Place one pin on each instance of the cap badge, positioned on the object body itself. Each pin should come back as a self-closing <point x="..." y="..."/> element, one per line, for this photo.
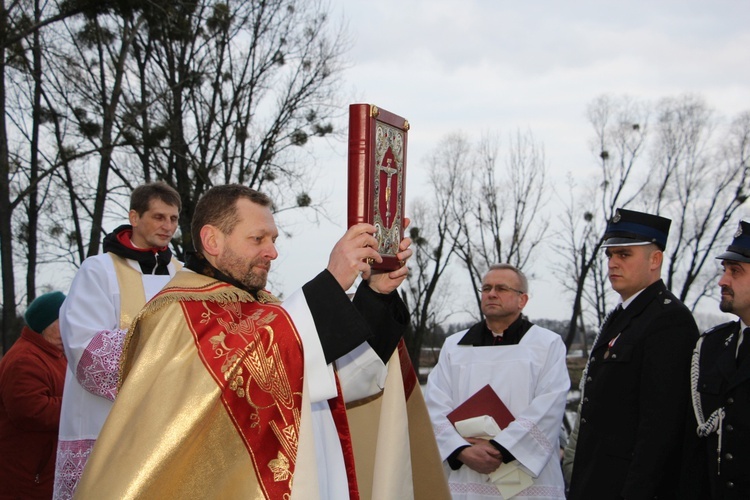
<point x="617" y="217"/>
<point x="739" y="232"/>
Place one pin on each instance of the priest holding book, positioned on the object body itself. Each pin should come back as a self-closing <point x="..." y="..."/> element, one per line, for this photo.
<point x="227" y="392"/>
<point x="524" y="367"/>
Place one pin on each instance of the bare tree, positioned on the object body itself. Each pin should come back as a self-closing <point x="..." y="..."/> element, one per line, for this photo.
<point x="578" y="241"/>
<point x="620" y="127"/>
<point x="433" y="224"/>
<point x="500" y="210"/>
<point x="693" y="175"/>
<point x="698" y="180"/>
<point x="93" y="78"/>
<point x="20" y="165"/>
<point x="240" y="89"/>
<point x="474" y="217"/>
<point x="191" y="92"/>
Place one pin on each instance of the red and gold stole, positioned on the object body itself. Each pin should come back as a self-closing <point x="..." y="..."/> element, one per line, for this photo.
<point x="407" y="369"/>
<point x="254" y="353"/>
<point x="341" y="421"/>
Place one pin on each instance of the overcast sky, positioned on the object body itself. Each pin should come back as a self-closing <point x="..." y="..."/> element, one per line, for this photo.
<point x="493" y="65"/>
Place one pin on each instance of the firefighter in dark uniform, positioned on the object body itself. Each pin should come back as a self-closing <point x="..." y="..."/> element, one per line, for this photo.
<point x="720" y="377"/>
<point x="635" y="390"/>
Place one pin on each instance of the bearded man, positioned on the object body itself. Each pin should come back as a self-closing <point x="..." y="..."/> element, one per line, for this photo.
<point x="228" y="393"/>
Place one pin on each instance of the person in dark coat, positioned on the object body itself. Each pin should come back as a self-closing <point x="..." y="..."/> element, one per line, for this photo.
<point x="635" y="390"/>
<point x="720" y="378"/>
<point x="32" y="374"/>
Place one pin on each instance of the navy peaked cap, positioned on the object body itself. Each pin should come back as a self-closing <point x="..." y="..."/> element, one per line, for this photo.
<point x="739" y="249"/>
<point x="628" y="228"/>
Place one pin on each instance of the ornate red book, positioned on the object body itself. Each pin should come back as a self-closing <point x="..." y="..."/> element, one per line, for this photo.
<point x="484" y="402"/>
<point x="377" y="177"/>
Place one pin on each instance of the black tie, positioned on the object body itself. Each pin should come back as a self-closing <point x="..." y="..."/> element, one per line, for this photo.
<point x="744" y="350"/>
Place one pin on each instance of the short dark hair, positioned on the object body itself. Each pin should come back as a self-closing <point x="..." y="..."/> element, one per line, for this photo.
<point x="218" y="207"/>
<point x="509" y="267"/>
<point x="140" y="198"/>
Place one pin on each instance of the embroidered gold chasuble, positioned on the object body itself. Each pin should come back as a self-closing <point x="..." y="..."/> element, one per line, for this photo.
<point x="234" y="369"/>
<point x="223" y="411"/>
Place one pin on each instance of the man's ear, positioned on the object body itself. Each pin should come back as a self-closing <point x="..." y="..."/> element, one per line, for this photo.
<point x="524" y="300"/>
<point x="133" y="218"/>
<point x="657" y="258"/>
<point x="212" y="239"/>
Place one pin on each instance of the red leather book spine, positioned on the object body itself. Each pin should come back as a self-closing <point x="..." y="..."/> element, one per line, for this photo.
<point x="361" y="142"/>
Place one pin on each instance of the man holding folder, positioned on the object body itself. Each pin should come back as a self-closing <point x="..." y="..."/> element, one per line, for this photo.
<point x="524" y="366"/>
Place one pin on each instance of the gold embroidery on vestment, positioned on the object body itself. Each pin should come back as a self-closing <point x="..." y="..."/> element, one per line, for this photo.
<point x="280" y="468"/>
<point x="255" y="370"/>
<point x="287" y="437"/>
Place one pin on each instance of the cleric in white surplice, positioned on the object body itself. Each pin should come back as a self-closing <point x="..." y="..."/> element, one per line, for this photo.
<point x="525" y="365"/>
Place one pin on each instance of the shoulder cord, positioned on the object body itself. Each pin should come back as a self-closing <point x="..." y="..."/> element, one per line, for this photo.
<point x="715" y="421"/>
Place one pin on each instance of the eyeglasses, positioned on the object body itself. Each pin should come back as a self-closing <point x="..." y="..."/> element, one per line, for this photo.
<point x="499" y="289"/>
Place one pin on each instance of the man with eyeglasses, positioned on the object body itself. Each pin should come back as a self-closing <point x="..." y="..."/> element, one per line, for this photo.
<point x="635" y="390"/>
<point x="525" y="365"/>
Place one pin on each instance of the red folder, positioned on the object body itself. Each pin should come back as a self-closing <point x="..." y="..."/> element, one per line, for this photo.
<point x="484" y="402"/>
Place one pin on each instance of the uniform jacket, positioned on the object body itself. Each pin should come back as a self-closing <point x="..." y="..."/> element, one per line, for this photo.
<point x="721" y="383"/>
<point x="633" y="412"/>
<point x="32" y="374"/>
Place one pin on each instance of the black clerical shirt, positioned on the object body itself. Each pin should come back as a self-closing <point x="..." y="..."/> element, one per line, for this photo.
<point x="479" y="335"/>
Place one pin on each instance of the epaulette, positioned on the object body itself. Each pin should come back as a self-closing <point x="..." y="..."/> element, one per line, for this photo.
<point x="719" y="327"/>
<point x="665" y="298"/>
<point x="667" y="301"/>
